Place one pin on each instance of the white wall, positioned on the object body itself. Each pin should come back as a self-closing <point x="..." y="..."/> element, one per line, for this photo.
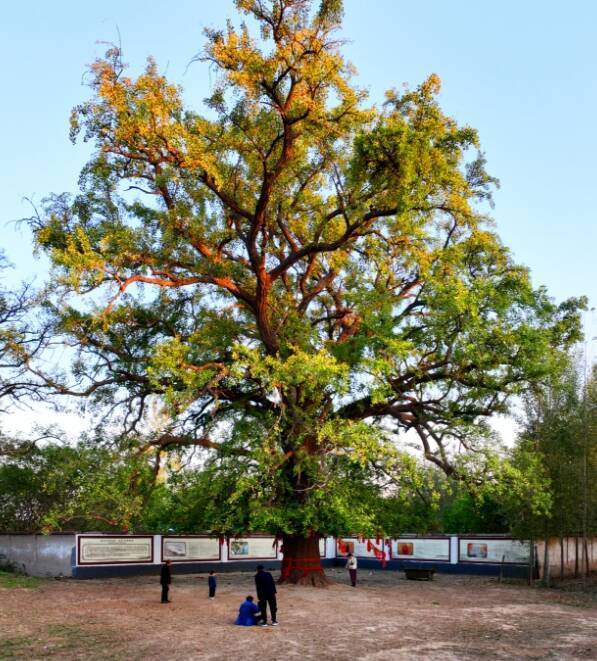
<point x="38" y="555"/>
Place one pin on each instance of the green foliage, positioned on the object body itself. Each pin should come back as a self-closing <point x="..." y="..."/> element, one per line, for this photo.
<point x="85" y="487"/>
<point x="559" y="442"/>
<point x="465" y="513"/>
<point x="522" y="488"/>
<point x="298" y="278"/>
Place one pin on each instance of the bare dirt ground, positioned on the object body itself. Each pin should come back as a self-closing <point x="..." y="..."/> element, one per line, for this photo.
<point x="385" y="618"/>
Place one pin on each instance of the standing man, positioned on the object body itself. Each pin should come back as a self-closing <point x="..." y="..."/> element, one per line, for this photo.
<point x="165" y="580"/>
<point x="266" y="594"/>
<point x="351" y="565"/>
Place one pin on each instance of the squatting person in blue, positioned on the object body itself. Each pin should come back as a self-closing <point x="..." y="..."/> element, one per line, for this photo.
<point x="247" y="613"/>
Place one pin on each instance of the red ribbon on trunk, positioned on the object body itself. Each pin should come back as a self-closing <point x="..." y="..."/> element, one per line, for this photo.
<point x="302" y="565"/>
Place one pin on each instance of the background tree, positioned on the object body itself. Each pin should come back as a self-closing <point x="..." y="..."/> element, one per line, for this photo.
<point x="559" y="432"/>
<point x="85" y="486"/>
<point x="473" y="514"/>
<point x="299" y="277"/>
<point x="20" y="341"/>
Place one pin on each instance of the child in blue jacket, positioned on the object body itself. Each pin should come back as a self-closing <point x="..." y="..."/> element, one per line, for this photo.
<point x="247" y="613"/>
<point x="211" y="584"/>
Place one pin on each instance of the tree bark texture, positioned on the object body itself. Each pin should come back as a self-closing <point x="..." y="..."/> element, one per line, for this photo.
<point x="301" y="563"/>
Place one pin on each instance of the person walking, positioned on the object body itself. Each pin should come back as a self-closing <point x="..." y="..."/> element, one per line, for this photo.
<point x="165" y="580"/>
<point x="266" y="594"/>
<point x="351" y="565"/>
<point x="211" y="584"/>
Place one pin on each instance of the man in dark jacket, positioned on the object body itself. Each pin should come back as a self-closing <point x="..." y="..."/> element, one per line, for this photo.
<point x="165" y="580"/>
<point x="266" y="594"/>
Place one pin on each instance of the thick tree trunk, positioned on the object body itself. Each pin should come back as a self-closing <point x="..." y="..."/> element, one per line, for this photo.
<point x="301" y="563"/>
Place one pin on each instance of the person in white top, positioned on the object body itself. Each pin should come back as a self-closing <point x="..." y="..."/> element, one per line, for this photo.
<point x="351" y="565"/>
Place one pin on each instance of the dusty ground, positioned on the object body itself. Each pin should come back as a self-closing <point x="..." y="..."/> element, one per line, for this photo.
<point x="385" y="617"/>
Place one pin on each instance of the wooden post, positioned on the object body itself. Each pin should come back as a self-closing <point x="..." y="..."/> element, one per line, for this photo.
<point x="546" y="567"/>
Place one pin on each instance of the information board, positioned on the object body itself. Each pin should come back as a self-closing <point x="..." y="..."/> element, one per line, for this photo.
<point x="476" y="549"/>
<point x="411" y="548"/>
<point x="187" y="549"/>
<point x="114" y="550"/>
<point x="252" y="548"/>
<point x="359" y="548"/>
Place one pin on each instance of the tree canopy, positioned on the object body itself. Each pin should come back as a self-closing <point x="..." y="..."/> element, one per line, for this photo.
<point x="300" y="277"/>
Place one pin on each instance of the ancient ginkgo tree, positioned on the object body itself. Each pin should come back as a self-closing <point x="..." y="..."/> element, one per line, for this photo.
<point x="297" y="276"/>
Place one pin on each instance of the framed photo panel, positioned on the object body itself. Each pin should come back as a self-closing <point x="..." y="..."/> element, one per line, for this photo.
<point x="114" y="549"/>
<point x="190" y="549"/>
